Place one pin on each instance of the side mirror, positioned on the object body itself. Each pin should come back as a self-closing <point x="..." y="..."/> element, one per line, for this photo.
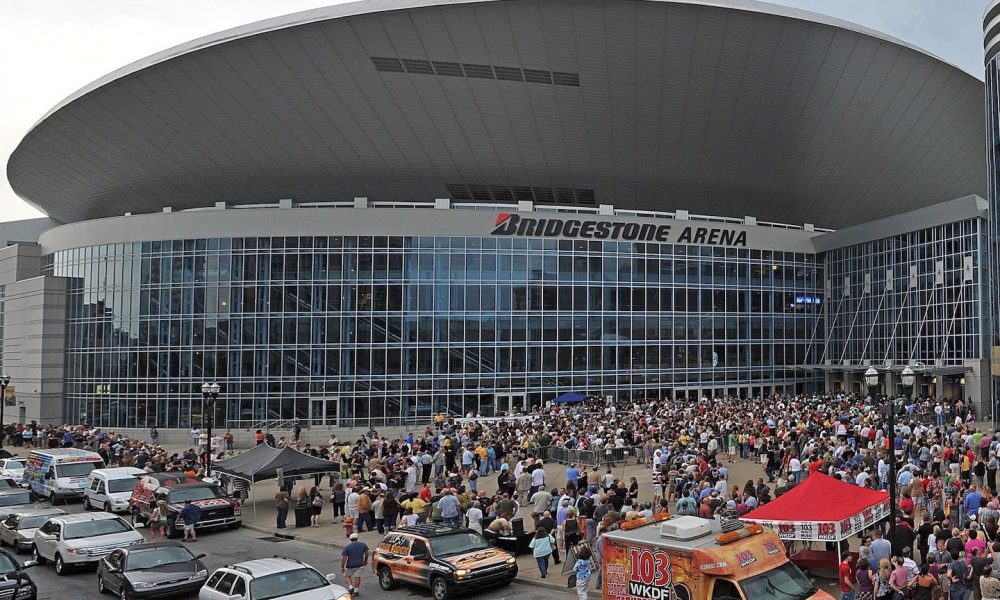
<point x="113" y="570"/>
<point x="199" y="556"/>
<point x="234" y="597"/>
<point x="138" y="525"/>
<point x="421" y="556"/>
<point x="236" y="496"/>
<point x="331" y="577"/>
<point x="28" y="564"/>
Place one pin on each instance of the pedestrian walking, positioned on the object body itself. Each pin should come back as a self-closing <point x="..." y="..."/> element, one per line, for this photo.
<point x="542" y="546"/>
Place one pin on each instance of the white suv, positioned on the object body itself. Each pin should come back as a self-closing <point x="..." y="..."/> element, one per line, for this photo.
<point x="81" y="539"/>
<point x="271" y="579"/>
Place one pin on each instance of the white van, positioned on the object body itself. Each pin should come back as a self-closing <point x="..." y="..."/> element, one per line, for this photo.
<point x="60" y="473"/>
<point x="110" y="489"/>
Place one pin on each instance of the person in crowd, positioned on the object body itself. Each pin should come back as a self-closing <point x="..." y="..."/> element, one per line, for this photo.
<point x="542" y="546"/>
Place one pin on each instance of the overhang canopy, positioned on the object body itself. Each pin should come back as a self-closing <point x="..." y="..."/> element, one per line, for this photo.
<point x="727" y="107"/>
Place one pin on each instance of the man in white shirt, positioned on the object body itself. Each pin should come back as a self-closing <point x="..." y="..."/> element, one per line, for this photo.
<point x="537" y="479"/>
<point x="794" y="470"/>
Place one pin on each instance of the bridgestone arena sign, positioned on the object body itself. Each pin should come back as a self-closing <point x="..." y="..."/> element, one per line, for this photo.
<point x="509" y="224"/>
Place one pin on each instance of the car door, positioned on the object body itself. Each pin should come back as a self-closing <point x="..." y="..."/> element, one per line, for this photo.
<point x="101" y="494"/>
<point x="8" y="529"/>
<point x="46" y="538"/>
<point x="222" y="587"/>
<point x="239" y="587"/>
<point x="113" y="565"/>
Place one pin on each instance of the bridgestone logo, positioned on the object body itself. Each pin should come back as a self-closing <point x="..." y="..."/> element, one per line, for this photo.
<point x="509" y="224"/>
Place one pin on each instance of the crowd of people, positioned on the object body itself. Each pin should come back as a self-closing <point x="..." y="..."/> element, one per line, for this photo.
<point x="945" y="540"/>
<point x="946" y="512"/>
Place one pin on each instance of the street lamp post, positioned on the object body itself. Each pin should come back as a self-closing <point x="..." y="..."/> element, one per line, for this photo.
<point x="4" y="382"/>
<point x="210" y="392"/>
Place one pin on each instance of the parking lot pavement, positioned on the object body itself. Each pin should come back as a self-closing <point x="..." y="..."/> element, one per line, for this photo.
<point x="230" y="546"/>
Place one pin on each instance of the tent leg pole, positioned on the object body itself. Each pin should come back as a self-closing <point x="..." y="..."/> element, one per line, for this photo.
<point x="839" y="558"/>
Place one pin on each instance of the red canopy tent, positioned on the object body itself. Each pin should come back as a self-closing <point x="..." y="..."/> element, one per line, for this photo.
<point x="822" y="509"/>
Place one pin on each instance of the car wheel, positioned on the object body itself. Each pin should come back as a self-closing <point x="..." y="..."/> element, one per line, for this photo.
<point x="86" y="503"/>
<point x="439" y="588"/>
<point x="385" y="579"/>
<point x="101" y="588"/>
<point x="38" y="558"/>
<point x="172" y="531"/>
<point x="60" y="566"/>
<point x="126" y="594"/>
<point x="107" y="507"/>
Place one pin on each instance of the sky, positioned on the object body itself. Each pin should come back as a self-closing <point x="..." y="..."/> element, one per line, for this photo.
<point x="51" y="48"/>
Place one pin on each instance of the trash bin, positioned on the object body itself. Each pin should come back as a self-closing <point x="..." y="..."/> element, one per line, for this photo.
<point x="303" y="515"/>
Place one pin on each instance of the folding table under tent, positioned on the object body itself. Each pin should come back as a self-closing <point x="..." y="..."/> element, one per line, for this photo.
<point x="822" y="509"/>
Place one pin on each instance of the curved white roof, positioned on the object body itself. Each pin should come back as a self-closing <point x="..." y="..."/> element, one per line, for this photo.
<point x="722" y="107"/>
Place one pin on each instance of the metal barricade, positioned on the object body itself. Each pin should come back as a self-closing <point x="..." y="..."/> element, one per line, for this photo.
<point x="569" y="456"/>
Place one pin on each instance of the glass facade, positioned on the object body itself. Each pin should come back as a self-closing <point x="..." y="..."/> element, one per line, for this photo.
<point x="917" y="297"/>
<point x="351" y="330"/>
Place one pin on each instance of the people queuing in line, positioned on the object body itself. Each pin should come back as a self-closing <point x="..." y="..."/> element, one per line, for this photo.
<point x="947" y="510"/>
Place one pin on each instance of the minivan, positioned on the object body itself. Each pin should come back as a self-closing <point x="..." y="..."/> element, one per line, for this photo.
<point x="110" y="489"/>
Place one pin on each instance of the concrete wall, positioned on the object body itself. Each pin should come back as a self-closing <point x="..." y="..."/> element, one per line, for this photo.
<point x="34" y="342"/>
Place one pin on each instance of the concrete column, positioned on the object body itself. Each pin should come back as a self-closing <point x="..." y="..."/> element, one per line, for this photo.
<point x="939" y="387"/>
<point x="978" y="386"/>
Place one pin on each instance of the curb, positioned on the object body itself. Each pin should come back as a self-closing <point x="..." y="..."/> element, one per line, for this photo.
<point x="552" y="585"/>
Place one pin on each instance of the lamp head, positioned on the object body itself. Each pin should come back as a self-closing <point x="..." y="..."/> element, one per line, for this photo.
<point x="206" y="388"/>
<point x="908" y="377"/>
<point x="6" y="379"/>
<point x="871" y="377"/>
<point x="214" y="388"/>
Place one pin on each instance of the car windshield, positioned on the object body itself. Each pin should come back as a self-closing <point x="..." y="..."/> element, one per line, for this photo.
<point x="156" y="557"/>
<point x="14" y="464"/>
<point x="7" y="565"/>
<point x="33" y="522"/>
<point x="7" y="483"/>
<point x="457" y="544"/>
<point x="13" y="498"/>
<point x="286" y="583"/>
<point x="75" y="531"/>
<point x="195" y="493"/>
<point x="785" y="582"/>
<point x="121" y="485"/>
<point x="77" y="469"/>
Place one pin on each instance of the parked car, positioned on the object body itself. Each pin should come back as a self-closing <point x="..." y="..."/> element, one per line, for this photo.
<point x="16" y="500"/>
<point x="217" y="509"/>
<point x="18" y="529"/>
<point x="157" y="570"/>
<point x="81" y="539"/>
<point x="443" y="558"/>
<point x="14" y="582"/>
<point x="271" y="579"/>
<point x="111" y="489"/>
<point x="12" y="468"/>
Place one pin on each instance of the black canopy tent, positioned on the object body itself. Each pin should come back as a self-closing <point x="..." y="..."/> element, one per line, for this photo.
<point x="262" y="462"/>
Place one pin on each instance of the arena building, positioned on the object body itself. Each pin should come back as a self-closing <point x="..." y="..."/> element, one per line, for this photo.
<point x="373" y="212"/>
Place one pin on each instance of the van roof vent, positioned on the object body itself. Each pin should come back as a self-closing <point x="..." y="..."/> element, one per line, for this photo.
<point x="685" y="528"/>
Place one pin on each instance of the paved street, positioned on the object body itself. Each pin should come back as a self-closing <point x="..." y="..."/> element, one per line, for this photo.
<point x="226" y="547"/>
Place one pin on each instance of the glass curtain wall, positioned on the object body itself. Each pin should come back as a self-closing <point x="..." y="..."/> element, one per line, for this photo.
<point x="388" y="330"/>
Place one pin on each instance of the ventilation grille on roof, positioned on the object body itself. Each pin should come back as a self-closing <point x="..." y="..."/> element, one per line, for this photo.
<point x="452" y="69"/>
<point x="497" y="193"/>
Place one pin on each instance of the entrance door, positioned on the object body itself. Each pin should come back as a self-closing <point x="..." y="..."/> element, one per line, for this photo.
<point x="511" y="403"/>
<point x="324" y="411"/>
